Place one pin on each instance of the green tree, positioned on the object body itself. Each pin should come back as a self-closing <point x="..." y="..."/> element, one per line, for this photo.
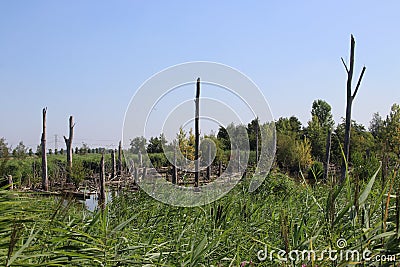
<point x="317" y="136"/>
<point x="156" y="144"/>
<point x="223" y="138"/>
<point x="289" y="126"/>
<point x="322" y="110"/>
<point x="138" y="144"/>
<point x="4" y="150"/>
<point x="20" y="151"/>
<point x="319" y="125"/>
<point x="362" y="141"/>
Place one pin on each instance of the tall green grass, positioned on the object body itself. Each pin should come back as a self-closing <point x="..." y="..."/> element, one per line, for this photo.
<point x="136" y="230"/>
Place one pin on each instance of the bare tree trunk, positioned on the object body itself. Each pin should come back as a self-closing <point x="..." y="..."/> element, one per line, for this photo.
<point x="327" y="154"/>
<point x="257" y="142"/>
<point x="197" y="134"/>
<point x="219" y="168"/>
<point x="140" y="159"/>
<point x="209" y="162"/>
<point x="45" y="179"/>
<point x="102" y="201"/>
<point x="174" y="169"/>
<point x="68" y="143"/>
<point x="119" y="166"/>
<point x="238" y="158"/>
<point x="112" y="163"/>
<point x="144" y="173"/>
<point x="350" y="97"/>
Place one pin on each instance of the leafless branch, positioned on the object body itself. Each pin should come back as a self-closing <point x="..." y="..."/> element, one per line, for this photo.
<point x="359" y="81"/>
<point x="345" y="66"/>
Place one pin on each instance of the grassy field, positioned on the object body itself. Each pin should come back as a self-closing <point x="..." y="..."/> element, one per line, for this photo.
<point x="136" y="230"/>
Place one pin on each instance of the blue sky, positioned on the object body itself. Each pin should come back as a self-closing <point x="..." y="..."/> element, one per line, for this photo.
<point x="87" y="58"/>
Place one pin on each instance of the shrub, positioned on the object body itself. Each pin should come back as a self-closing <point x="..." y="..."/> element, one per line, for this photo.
<point x="316" y="171"/>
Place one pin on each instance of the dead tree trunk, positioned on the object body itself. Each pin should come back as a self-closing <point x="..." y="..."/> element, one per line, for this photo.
<point x="174" y="169"/>
<point x="197" y="134"/>
<point x="327" y="154"/>
<point x="112" y="163"/>
<point x="68" y="143"/>
<point x="209" y="162"/>
<point x="119" y="166"/>
<point x="257" y="141"/>
<point x="45" y="179"/>
<point x="140" y="159"/>
<point x="349" y="102"/>
<point x="102" y="201"/>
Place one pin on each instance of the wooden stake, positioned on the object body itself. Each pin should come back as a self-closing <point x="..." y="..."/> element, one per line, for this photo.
<point x="45" y="179"/>
<point x="174" y="169"/>
<point x="119" y="167"/>
<point x="112" y="163"/>
<point x="208" y="175"/>
<point x="102" y="201"/>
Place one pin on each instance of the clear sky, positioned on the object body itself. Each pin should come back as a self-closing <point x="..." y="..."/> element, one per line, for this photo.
<point x="87" y="58"/>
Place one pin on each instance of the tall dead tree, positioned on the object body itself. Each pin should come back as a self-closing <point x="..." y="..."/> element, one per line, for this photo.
<point x="45" y="178"/>
<point x="197" y="134"/>
<point x="68" y="143"/>
<point x="349" y="102"/>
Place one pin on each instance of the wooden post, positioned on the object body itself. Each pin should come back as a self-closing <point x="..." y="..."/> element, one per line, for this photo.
<point x="256" y="141"/>
<point x="45" y="179"/>
<point x="349" y="103"/>
<point x="209" y="162"/>
<point x="136" y="177"/>
<point x="68" y="143"/>
<point x="219" y="168"/>
<point x="112" y="163"/>
<point x="102" y="201"/>
<point x="174" y="169"/>
<point x="119" y="166"/>
<point x="10" y="182"/>
<point x="144" y="173"/>
<point x="197" y="134"/>
<point x="140" y="159"/>
<point x="238" y="158"/>
<point x="327" y="154"/>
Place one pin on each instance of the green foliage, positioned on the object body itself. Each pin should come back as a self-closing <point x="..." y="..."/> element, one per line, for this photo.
<point x="137" y="144"/>
<point x="289" y="126"/>
<point x="316" y="171"/>
<point x="78" y="172"/>
<point x="156" y="144"/>
<point x="322" y="111"/>
<point x="361" y="141"/>
<point x="136" y="230"/>
<point x="293" y="154"/>
<point x="4" y="150"/>
<point x="20" y="151"/>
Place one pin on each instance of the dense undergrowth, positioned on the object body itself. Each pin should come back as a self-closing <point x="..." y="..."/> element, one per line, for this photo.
<point x="236" y="230"/>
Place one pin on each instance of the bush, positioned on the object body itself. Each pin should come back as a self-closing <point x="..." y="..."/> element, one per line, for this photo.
<point x="316" y="171"/>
